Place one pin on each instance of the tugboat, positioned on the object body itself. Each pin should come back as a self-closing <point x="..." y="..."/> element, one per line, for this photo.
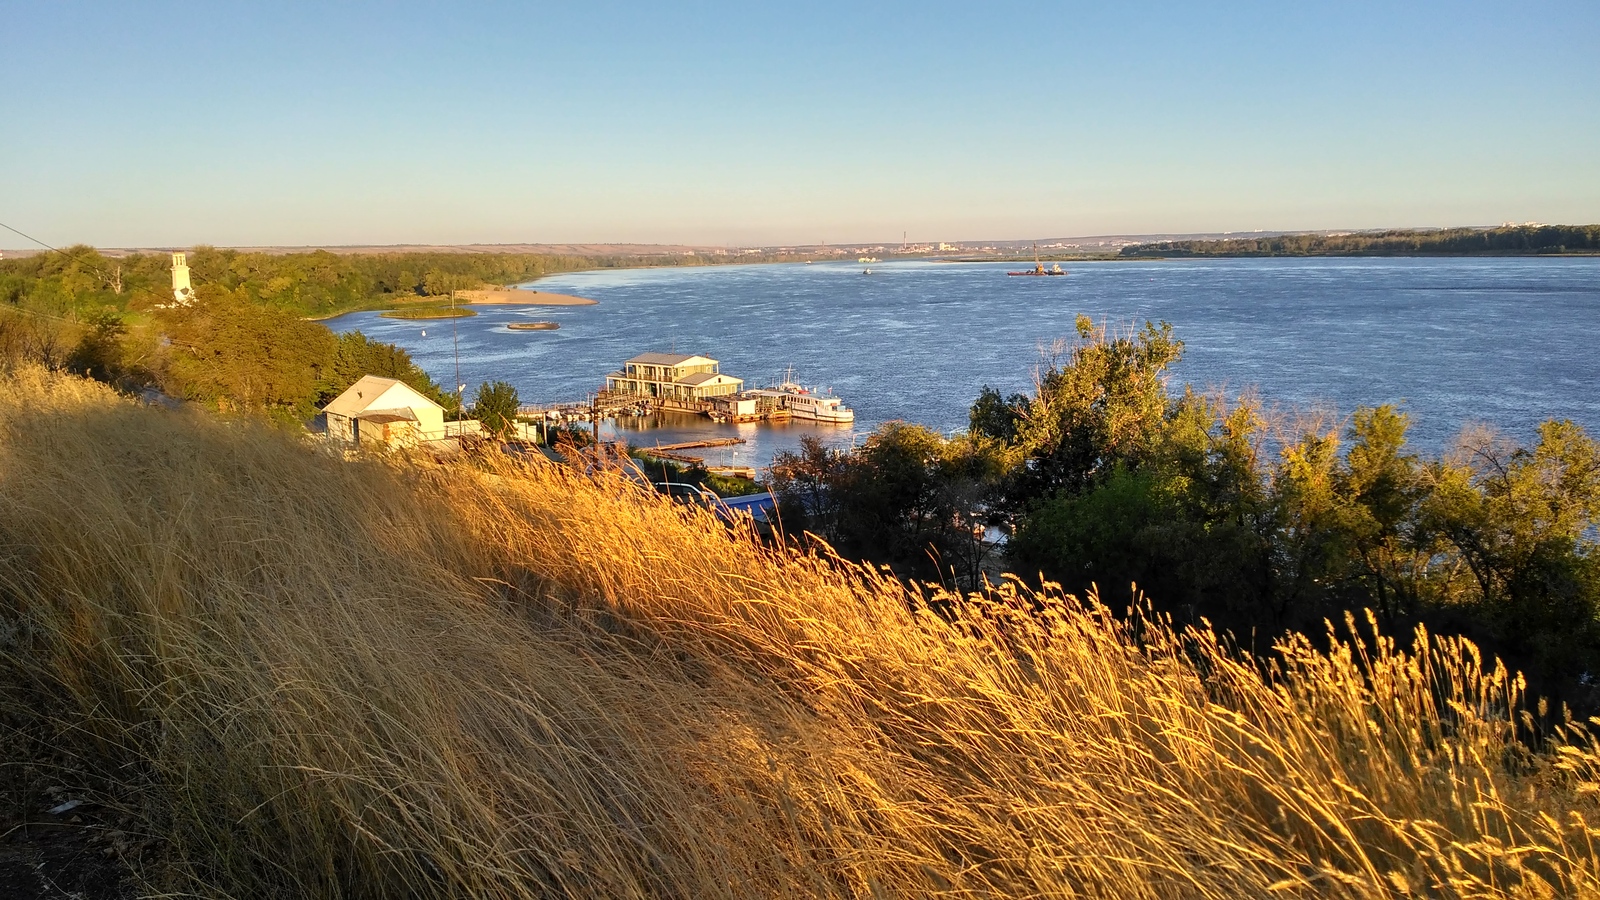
<point x="1038" y="267"/>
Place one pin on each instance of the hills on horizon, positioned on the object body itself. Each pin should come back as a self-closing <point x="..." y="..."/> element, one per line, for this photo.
<point x="1103" y="243"/>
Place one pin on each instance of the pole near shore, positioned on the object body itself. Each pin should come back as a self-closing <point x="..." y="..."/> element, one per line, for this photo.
<point x="455" y="339"/>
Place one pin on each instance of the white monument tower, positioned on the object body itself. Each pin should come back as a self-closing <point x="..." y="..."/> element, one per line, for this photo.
<point x="182" y="294"/>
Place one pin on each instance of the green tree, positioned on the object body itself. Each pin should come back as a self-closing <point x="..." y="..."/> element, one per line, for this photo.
<point x="229" y="350"/>
<point x="356" y="355"/>
<point x="1105" y="405"/>
<point x="808" y="486"/>
<point x="1386" y="490"/>
<point x="1101" y="539"/>
<point x="1523" y="522"/>
<point x="906" y="497"/>
<point x="997" y="417"/>
<point x="495" y="405"/>
<point x="99" y="353"/>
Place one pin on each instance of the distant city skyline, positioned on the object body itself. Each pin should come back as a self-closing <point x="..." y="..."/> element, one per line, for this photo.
<point x="173" y="124"/>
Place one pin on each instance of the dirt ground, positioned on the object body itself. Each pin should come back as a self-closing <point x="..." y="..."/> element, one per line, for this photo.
<point x="83" y="853"/>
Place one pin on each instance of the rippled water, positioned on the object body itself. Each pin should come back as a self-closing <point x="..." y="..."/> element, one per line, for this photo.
<point x="1507" y="341"/>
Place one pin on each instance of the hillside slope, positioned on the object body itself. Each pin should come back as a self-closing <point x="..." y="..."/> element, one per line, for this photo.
<point x="302" y="676"/>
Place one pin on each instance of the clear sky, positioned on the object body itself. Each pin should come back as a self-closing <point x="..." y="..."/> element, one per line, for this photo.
<point x="127" y="124"/>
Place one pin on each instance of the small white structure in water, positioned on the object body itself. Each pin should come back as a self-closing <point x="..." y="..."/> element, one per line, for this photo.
<point x="383" y="411"/>
<point x="182" y="293"/>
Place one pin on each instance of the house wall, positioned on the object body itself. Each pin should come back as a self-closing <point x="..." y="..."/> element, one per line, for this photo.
<point x="740" y="406"/>
<point x="430" y="417"/>
<point x="646" y="372"/>
<point x="430" y="422"/>
<point x="388" y="434"/>
<point x="341" y="429"/>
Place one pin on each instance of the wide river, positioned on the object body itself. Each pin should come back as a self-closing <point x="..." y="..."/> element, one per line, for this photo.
<point x="1508" y="341"/>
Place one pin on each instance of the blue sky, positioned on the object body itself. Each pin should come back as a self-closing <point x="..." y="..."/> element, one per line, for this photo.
<point x="721" y="123"/>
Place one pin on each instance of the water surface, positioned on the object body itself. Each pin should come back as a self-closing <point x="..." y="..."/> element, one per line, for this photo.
<point x="1502" y="340"/>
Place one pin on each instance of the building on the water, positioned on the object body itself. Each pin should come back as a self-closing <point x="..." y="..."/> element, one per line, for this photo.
<point x="674" y="378"/>
<point x="696" y="384"/>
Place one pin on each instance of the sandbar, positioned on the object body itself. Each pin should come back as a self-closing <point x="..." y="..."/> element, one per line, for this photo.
<point x="522" y="298"/>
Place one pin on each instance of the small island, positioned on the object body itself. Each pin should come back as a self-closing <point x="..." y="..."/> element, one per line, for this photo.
<point x="428" y="312"/>
<point x="534" y="326"/>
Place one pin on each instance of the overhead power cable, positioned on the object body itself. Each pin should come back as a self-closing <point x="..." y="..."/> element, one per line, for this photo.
<point x="93" y="268"/>
<point x="194" y="276"/>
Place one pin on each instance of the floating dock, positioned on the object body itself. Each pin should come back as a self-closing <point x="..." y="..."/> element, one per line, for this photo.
<point x="675" y="452"/>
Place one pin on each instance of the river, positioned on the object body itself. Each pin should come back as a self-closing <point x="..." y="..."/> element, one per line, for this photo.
<point x="1508" y="341"/>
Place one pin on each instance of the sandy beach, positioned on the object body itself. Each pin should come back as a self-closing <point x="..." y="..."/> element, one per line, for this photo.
<point x="522" y="298"/>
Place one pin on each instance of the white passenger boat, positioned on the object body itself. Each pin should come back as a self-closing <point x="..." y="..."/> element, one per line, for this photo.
<point x="818" y="406"/>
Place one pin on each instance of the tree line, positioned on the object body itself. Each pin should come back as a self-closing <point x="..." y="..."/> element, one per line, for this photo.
<point x="311" y="284"/>
<point x="248" y="341"/>
<point x="1107" y="478"/>
<point x="1505" y="240"/>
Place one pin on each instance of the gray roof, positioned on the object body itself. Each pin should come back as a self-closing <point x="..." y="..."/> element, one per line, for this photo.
<point x="703" y="377"/>
<point x="666" y="359"/>
<point x="388" y="415"/>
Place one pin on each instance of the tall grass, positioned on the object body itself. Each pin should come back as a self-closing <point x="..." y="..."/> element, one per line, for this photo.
<point x="383" y="678"/>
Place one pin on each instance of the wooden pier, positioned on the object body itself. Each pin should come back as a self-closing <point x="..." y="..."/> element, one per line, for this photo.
<point x="691" y="445"/>
<point x="675" y="452"/>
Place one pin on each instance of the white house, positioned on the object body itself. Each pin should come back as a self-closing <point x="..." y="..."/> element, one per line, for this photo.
<point x="384" y="411"/>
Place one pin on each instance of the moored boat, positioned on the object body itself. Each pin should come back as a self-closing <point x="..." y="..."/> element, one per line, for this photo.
<point x="817" y="406"/>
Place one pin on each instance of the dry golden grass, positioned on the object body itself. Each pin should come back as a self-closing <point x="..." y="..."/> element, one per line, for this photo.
<point x="313" y="677"/>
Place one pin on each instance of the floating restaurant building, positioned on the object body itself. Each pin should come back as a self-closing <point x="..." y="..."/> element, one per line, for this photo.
<point x="671" y="379"/>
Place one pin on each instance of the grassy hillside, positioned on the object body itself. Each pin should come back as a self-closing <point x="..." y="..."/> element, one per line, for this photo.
<point x="300" y="676"/>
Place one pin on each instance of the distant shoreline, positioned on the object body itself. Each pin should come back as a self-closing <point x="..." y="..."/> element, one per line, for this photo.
<point x="1365" y="254"/>
<point x="1509" y="240"/>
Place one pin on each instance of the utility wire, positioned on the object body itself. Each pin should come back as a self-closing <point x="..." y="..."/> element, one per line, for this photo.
<point x="193" y="276"/>
<point x="92" y="267"/>
<point x="102" y="273"/>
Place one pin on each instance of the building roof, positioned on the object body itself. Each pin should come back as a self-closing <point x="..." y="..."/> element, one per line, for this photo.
<point x="669" y="359"/>
<point x="363" y="396"/>
<point x="380" y="416"/>
<point x="699" y="378"/>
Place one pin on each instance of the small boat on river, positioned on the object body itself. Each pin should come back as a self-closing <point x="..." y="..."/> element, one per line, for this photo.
<point x="1038" y="267"/>
<point x="534" y="326"/>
